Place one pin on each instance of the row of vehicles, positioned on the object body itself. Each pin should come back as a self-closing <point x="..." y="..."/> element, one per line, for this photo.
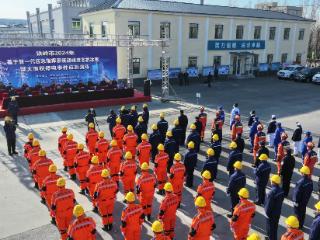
<point x="300" y="74"/>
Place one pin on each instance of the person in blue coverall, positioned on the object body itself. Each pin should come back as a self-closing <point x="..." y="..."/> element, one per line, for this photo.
<point x="277" y="138"/>
<point x="190" y="162"/>
<point x="194" y="136"/>
<point x="315" y="226"/>
<point x="171" y="148"/>
<point x="154" y="140"/>
<point x="162" y="127"/>
<point x="211" y="164"/>
<point x="262" y="173"/>
<point x="306" y="140"/>
<point x="234" y="156"/>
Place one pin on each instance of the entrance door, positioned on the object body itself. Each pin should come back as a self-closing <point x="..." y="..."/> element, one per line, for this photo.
<point x="239" y="66"/>
<point x="234" y="65"/>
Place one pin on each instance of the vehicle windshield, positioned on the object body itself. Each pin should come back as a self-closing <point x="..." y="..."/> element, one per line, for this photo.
<point x="305" y="70"/>
<point x="289" y="68"/>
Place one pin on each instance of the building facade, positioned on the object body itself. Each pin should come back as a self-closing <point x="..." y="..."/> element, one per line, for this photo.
<point x="273" y="6"/>
<point x="200" y="35"/>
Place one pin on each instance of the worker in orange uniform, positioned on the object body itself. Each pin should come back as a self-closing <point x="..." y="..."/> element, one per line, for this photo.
<point x="168" y="210"/>
<point x="40" y="169"/>
<point x="33" y="154"/>
<point x="282" y="150"/>
<point x="114" y="158"/>
<point x="105" y="195"/>
<point x="242" y="215"/>
<point x="203" y="120"/>
<point x="83" y="227"/>
<point x="259" y="137"/>
<point x="91" y="138"/>
<point x="144" y="150"/>
<point x="93" y="177"/>
<point x="62" y="140"/>
<point x="145" y="185"/>
<point x="118" y="132"/>
<point x="102" y="146"/>
<point x="206" y="189"/>
<point x="130" y="141"/>
<point x="157" y="229"/>
<point x="132" y="218"/>
<point x="293" y="231"/>
<point x="28" y="145"/>
<point x="82" y="164"/>
<point x="49" y="185"/>
<point x="237" y="127"/>
<point x="177" y="174"/>
<point x="203" y="223"/>
<point x="69" y="153"/>
<point x="128" y="171"/>
<point x="310" y="158"/>
<point x="62" y="203"/>
<point x="160" y="168"/>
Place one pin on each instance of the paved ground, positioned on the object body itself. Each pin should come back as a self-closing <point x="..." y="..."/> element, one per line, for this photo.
<point x="24" y="217"/>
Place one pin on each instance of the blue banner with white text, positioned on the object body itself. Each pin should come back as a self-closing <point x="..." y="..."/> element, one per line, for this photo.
<point x="236" y="44"/>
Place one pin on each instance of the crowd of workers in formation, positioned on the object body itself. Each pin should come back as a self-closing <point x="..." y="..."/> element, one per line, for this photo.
<point x="126" y="159"/>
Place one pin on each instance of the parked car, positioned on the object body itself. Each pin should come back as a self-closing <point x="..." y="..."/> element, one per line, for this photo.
<point x="287" y="72"/>
<point x="316" y="78"/>
<point x="306" y="74"/>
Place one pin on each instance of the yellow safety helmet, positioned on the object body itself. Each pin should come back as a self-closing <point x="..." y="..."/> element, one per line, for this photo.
<point x="61" y="182"/>
<point x="169" y="134"/>
<point x="70" y="137"/>
<point x="30" y="136"/>
<point x="292" y="222"/>
<point x="160" y="147"/>
<point x="191" y="145"/>
<point x="317" y="206"/>
<point x="42" y="153"/>
<point x="206" y="174"/>
<point x="113" y="143"/>
<point x="243" y="193"/>
<point x="237" y="165"/>
<point x="130" y="128"/>
<point x="177" y="157"/>
<point x="263" y="157"/>
<point x="118" y="120"/>
<point x="154" y="127"/>
<point x="193" y="126"/>
<point x="101" y="134"/>
<point x="80" y="146"/>
<point x="168" y="187"/>
<point x="130" y="197"/>
<point x="144" y="136"/>
<point x="133" y="108"/>
<point x="157" y="227"/>
<point x="64" y="130"/>
<point x="210" y="152"/>
<point x="162" y="115"/>
<point x="140" y="119"/>
<point x="176" y="122"/>
<point x="144" y="166"/>
<point x="95" y="160"/>
<point x="254" y="236"/>
<point x="144" y="105"/>
<point x="233" y="145"/>
<point x="122" y="108"/>
<point x="275" y="179"/>
<point x="305" y="170"/>
<point x="53" y="168"/>
<point x="200" y="202"/>
<point x="78" y="211"/>
<point x="35" y="143"/>
<point x="215" y="137"/>
<point x="128" y="155"/>
<point x="105" y="173"/>
<point x="91" y="125"/>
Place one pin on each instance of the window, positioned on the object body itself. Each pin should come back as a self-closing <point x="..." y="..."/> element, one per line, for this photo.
<point x="136" y="65"/>
<point x="193" y="30"/>
<point x="192" y="61"/>
<point x="104" y="29"/>
<point x="91" y="30"/>
<point x="168" y="62"/>
<point x="272" y="33"/>
<point x="218" y="33"/>
<point x="76" y="23"/>
<point x="134" y="28"/>
<point x="301" y="34"/>
<point x="239" y="32"/>
<point x="284" y="57"/>
<point x="217" y="60"/>
<point x="298" y="58"/>
<point x="165" y="30"/>
<point x="269" y="58"/>
<point x="257" y="32"/>
<point x="286" y="34"/>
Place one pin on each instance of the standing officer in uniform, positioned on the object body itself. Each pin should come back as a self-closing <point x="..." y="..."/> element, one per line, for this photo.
<point x="170" y="147"/>
<point x="177" y="134"/>
<point x="162" y="127"/>
<point x="125" y="117"/>
<point x="91" y="138"/>
<point x="301" y="194"/>
<point x="177" y="174"/>
<point x="194" y="137"/>
<point x="10" y="130"/>
<point x="160" y="168"/>
<point x="236" y="182"/>
<point x="13" y="109"/>
<point x="293" y="232"/>
<point x="89" y="118"/>
<point x="211" y="164"/>
<point x="112" y="121"/>
<point x="315" y="227"/>
<point x="134" y="116"/>
<point x="206" y="189"/>
<point x="154" y="140"/>
<point x="273" y="207"/>
<point x="190" y="162"/>
<point x="262" y="173"/>
<point x="234" y="156"/>
<point x="183" y="122"/>
<point x="145" y="114"/>
<point x="286" y="172"/>
<point x="141" y="128"/>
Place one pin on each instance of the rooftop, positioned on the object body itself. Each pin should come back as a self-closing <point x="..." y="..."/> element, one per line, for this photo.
<point x="191" y="8"/>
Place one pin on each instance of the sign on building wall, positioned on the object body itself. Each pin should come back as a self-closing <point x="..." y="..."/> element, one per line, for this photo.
<point x="48" y="65"/>
<point x="192" y="71"/>
<point x="207" y="70"/>
<point x="235" y="44"/>
<point x="156" y="74"/>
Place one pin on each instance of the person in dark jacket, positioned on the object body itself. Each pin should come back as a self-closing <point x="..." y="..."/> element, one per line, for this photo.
<point x="296" y="138"/>
<point x="162" y="127"/>
<point x="271" y="130"/>
<point x="141" y="128"/>
<point x="194" y="136"/>
<point x="251" y="118"/>
<point x="177" y="133"/>
<point x="262" y="173"/>
<point x="186" y="78"/>
<point x="170" y="147"/>
<point x="133" y="116"/>
<point x="277" y="138"/>
<point x="190" y="162"/>
<point x="236" y="182"/>
<point x="211" y="164"/>
<point x="234" y="156"/>
<point x="183" y="122"/>
<point x="273" y="207"/>
<point x="154" y="140"/>
<point x="13" y="109"/>
<point x="10" y="131"/>
<point x="112" y="121"/>
<point x="180" y="77"/>
<point x="125" y="117"/>
<point x="315" y="226"/>
<point x="262" y="150"/>
<point x="198" y="125"/>
<point x="209" y="79"/>
<point x="286" y="172"/>
<point x="217" y="130"/>
<point x="301" y="195"/>
<point x="240" y="142"/>
<point x="90" y="117"/>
